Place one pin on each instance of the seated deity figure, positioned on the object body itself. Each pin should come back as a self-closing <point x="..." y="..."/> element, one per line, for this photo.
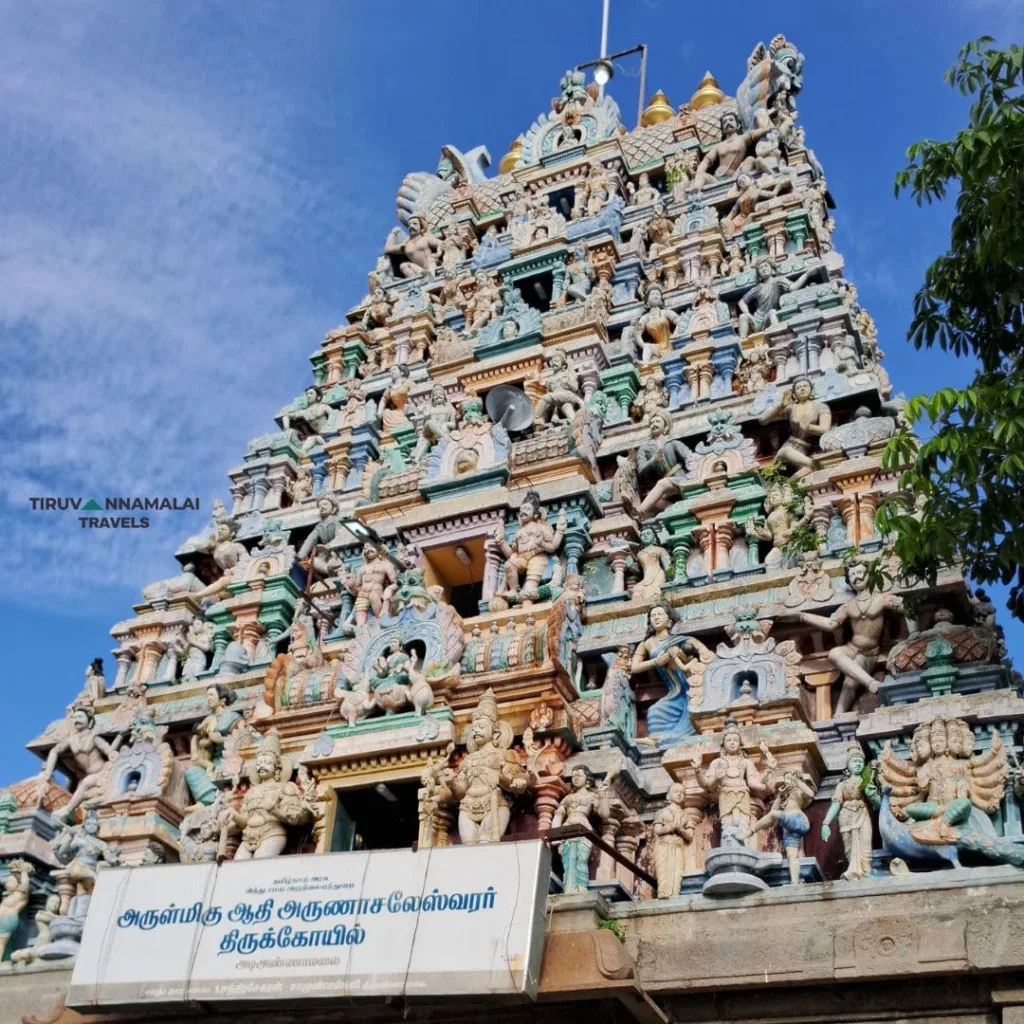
<point x="531" y="545"/>
<point x="748" y="194"/>
<point x="658" y="231"/>
<point x="562" y="395"/>
<point x="81" y="851"/>
<point x="313" y="549"/>
<point x="732" y="780"/>
<point x="370" y="585"/>
<point x="198" y="647"/>
<point x="484" y="305"/>
<point x="673" y="832"/>
<point x="416" y="251"/>
<point x="271" y="805"/>
<point x="577" y="807"/>
<point x="227" y="554"/>
<point x="661" y="461"/>
<point x="488" y="774"/>
<point x="438" y="421"/>
<point x="314" y="416"/>
<point x="759" y="306"/>
<point x="83" y="749"/>
<point x="655" y="327"/>
<point x="808" y="420"/>
<point x="652" y="397"/>
<point x="391" y="407"/>
<point x="731" y="155"/>
<point x="865" y="613"/>
<point x="643" y="192"/>
<point x="209" y="735"/>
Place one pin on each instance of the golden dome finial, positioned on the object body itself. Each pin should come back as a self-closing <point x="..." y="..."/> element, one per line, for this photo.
<point x="510" y="161"/>
<point x="659" y="109"/>
<point x="707" y="94"/>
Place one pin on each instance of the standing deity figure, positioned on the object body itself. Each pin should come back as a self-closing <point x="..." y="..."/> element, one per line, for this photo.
<point x="314" y="416"/>
<point x="314" y="547"/>
<point x="760" y="305"/>
<point x="618" y="702"/>
<point x="391" y="407"/>
<point x="227" y="553"/>
<point x="673" y="832"/>
<point x="453" y="249"/>
<point x="793" y="795"/>
<point x="655" y="327"/>
<point x="434" y="820"/>
<point x="577" y="808"/>
<point x="87" y="751"/>
<point x="785" y="512"/>
<point x="485" y="303"/>
<point x="198" y="645"/>
<point x="733" y="780"/>
<point x="437" y="422"/>
<point x="754" y="369"/>
<point x="81" y="850"/>
<point x="652" y="397"/>
<point x="531" y="545"/>
<point x="865" y="613"/>
<point x="658" y="231"/>
<point x="597" y="188"/>
<point x="209" y="735"/>
<point x="580" y="275"/>
<point x="95" y="686"/>
<point x="300" y="488"/>
<point x="852" y="801"/>
<point x="654" y="562"/>
<point x="15" y="899"/>
<point x="415" y="250"/>
<point x="662" y="462"/>
<point x="488" y="773"/>
<point x="731" y="155"/>
<point x="736" y="263"/>
<point x="561" y="397"/>
<point x="643" y="192"/>
<point x="369" y="585"/>
<point x="808" y="420"/>
<point x="271" y="804"/>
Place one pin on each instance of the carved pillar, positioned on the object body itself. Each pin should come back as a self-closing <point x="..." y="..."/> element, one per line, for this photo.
<point x="353" y="353"/>
<point x="590" y="379"/>
<point x="124" y="661"/>
<point x="680" y="557"/>
<point x="492" y="567"/>
<point x="276" y="480"/>
<point x="605" y="864"/>
<point x="337" y="471"/>
<point x="577" y="540"/>
<point x="858" y="512"/>
<point x="152" y="652"/>
<point x="617" y="559"/>
<point x="627" y="842"/>
<point x="677" y="392"/>
<point x="237" y="497"/>
<point x="547" y="795"/>
<point x="776" y="242"/>
<point x="820" y="517"/>
<point x="622" y="383"/>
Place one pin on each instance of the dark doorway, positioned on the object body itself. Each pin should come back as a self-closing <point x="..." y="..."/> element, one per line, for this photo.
<point x="380" y="817"/>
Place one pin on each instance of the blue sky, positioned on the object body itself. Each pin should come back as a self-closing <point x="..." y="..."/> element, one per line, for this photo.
<point x="191" y="194"/>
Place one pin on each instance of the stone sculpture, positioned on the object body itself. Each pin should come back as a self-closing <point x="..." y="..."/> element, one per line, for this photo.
<point x="654" y="562"/>
<point x="484" y="305"/>
<point x="643" y="192"/>
<point x="651" y="398"/>
<point x="228" y="553"/>
<point x="561" y="396"/>
<point x="43" y="919"/>
<point x="654" y="328"/>
<point x="529" y="551"/>
<point x="415" y="250"/>
<point x="852" y="801"/>
<point x="661" y="463"/>
<point x="759" y="307"/>
<point x="866" y="616"/>
<point x="731" y="155"/>
<point x="369" y="585"/>
<point x="437" y="422"/>
<point x="15" y="899"/>
<point x="393" y="684"/>
<point x="673" y="831"/>
<point x="808" y="420"/>
<point x="312" y="415"/>
<point x="785" y="513"/>
<point x="198" y="647"/>
<point x="391" y="407"/>
<point x="793" y="795"/>
<point x="577" y="808"/>
<point x="208" y="739"/>
<point x="82" y="852"/>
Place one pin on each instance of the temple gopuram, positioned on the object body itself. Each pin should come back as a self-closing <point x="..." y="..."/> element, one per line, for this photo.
<point x="546" y="662"/>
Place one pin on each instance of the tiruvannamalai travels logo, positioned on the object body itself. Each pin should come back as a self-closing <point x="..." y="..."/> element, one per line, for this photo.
<point x="114" y="504"/>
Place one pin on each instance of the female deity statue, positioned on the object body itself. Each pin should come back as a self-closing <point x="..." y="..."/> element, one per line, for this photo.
<point x="80" y="849"/>
<point x="271" y="804"/>
<point x="654" y="562"/>
<point x="199" y="644"/>
<point x="663" y="652"/>
<point x="733" y="780"/>
<point x="577" y="808"/>
<point x="391" y="408"/>
<point x="488" y="772"/>
<point x="673" y="829"/>
<point x="654" y="329"/>
<point x="652" y="397"/>
<point x="562" y="396"/>
<point x="15" y="899"/>
<point x="852" y="800"/>
<point x="437" y="422"/>
<point x="787" y="812"/>
<point x="209" y="735"/>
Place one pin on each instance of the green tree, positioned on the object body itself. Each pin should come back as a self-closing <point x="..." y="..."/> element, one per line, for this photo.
<point x="963" y="487"/>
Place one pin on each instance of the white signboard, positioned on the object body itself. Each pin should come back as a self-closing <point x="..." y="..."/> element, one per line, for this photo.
<point x="459" y="920"/>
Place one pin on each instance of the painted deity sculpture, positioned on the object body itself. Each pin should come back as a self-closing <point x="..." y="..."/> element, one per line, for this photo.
<point x="618" y="702"/>
<point x="731" y="155"/>
<point x="580" y="275"/>
<point x="488" y="774"/>
<point x="14" y="900"/>
<point x="391" y="407"/>
<point x="793" y="796"/>
<point x="227" y="554"/>
<point x="732" y="781"/>
<point x="484" y="305"/>
<point x="851" y="804"/>
<point x="651" y="398"/>
<point x="759" y="307"/>
<point x="271" y="805"/>
<point x="81" y="851"/>
<point x="938" y="805"/>
<point x="673" y="831"/>
<point x="43" y="918"/>
<point x="415" y="251"/>
<point x="311" y="417"/>
<point x="528" y="552"/>
<point x="198" y="647"/>
<point x="393" y="683"/>
<point x="643" y="192"/>
<point x="658" y="231"/>
<point x="661" y="463"/>
<point x="210" y="733"/>
<point x="785" y="512"/>
<point x="369" y="585"/>
<point x="95" y="686"/>
<point x="577" y="807"/>
<point x="314" y="550"/>
<point x="83" y="749"/>
<point x="808" y="420"/>
<point x="655" y="327"/>
<point x="654" y="562"/>
<point x="437" y="422"/>
<point x="748" y="194"/>
<point x="865" y="613"/>
<point x="561" y="396"/>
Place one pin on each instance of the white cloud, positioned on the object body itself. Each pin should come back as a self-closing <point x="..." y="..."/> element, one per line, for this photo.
<point x="150" y="315"/>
